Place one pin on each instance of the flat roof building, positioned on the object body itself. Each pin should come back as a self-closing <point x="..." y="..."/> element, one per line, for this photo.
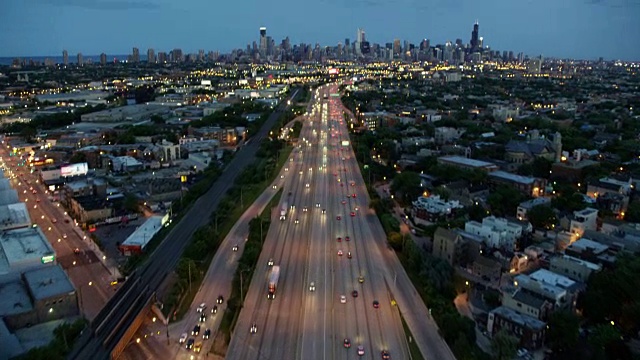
<point x="24" y="249"/>
<point x="14" y="216"/>
<point x="467" y="163"/>
<point x="137" y="241"/>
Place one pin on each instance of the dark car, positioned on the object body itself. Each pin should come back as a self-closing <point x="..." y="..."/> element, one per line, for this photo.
<point x="346" y="238"/>
<point x="376" y="304"/>
<point x="347" y="343"/>
<point x="385" y="355"/>
<point x="189" y="344"/>
<point x="203" y="318"/>
<point x="214" y="309"/>
<point x="220" y="299"/>
<point x="354" y="293"/>
<point x="196" y="330"/>
<point x="207" y="334"/>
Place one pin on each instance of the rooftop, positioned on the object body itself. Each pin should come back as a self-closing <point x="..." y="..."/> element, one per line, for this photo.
<point x="523" y="320"/>
<point x="512" y="177"/>
<point x="584" y="244"/>
<point x="143" y="234"/>
<point x="528" y="298"/>
<point x="466" y="161"/>
<point x="9" y="196"/>
<point x="552" y="278"/>
<point x="15" y="298"/>
<point x="590" y="265"/>
<point x="14" y="216"/>
<point x="21" y="245"/>
<point x="534" y="202"/>
<point x="48" y="282"/>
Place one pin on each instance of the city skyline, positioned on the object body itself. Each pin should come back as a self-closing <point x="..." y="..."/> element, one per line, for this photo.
<point x="593" y="30"/>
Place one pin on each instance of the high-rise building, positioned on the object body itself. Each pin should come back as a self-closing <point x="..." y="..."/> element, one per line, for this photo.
<point x="396" y="47"/>
<point x="65" y="57"/>
<point x="475" y="41"/>
<point x="135" y="56"/>
<point x="103" y="59"/>
<point x="263" y="40"/>
<point x="151" y="56"/>
<point x="177" y="55"/>
<point x="201" y="55"/>
<point x="360" y="36"/>
<point x="80" y="59"/>
<point x="162" y="57"/>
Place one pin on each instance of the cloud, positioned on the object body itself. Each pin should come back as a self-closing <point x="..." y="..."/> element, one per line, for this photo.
<point x="105" y="4"/>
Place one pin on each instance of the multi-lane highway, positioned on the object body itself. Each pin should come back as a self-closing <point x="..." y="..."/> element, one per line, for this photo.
<point x="114" y="320"/>
<point x="326" y="254"/>
<point x="74" y="252"/>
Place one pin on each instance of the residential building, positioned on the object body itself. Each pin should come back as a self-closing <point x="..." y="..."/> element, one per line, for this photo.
<point x="444" y="135"/>
<point x="90" y="209"/>
<point x="588" y="250"/>
<point x="448" y="245"/>
<point x="433" y="208"/>
<point x="525" y="206"/>
<point x="585" y="219"/>
<point x="573" y="267"/>
<point x="487" y="269"/>
<point x="529" y="331"/>
<point x="466" y="163"/>
<point x="535" y="146"/>
<point x="528" y="303"/>
<point x="497" y="232"/>
<point x="527" y="185"/>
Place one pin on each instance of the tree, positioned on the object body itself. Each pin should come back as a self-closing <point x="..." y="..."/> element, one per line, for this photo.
<point x="157" y="119"/>
<point x="131" y="203"/>
<point x="563" y="331"/>
<point x="78" y="157"/>
<point x="504" y="200"/>
<point x="406" y="186"/>
<point x="504" y="345"/>
<point x="28" y="133"/>
<point x="542" y="217"/>
<point x="633" y="212"/>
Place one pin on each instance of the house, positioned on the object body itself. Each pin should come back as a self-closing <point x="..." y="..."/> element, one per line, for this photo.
<point x="487" y="269"/>
<point x="448" y="245"/>
<point x="530" y="331"/>
<point x="497" y="232"/>
<point x="525" y="206"/>
<point x="535" y="146"/>
<point x="433" y="208"/>
<point x="573" y="267"/>
<point x="528" y="303"/>
<point x="585" y="219"/>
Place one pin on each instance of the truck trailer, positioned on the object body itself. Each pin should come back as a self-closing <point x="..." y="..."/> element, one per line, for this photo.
<point x="273" y="282"/>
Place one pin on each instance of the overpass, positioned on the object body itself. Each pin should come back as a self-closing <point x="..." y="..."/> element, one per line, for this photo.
<point x="110" y="331"/>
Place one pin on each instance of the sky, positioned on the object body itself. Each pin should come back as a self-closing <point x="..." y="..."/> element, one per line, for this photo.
<point x="579" y="29"/>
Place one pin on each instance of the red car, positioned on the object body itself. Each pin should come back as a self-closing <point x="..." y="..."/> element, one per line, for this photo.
<point x="347" y="238"/>
<point x="354" y="195"/>
<point x="338" y="217"/>
<point x="353" y="213"/>
<point x="339" y="239"/>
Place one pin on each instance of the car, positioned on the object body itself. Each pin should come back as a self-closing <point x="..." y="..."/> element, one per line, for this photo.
<point x="214" y="309"/>
<point x="286" y="169"/>
<point x="339" y="239"/>
<point x="312" y="286"/>
<point x="275" y="187"/>
<point x="281" y="176"/>
<point x="344" y="202"/>
<point x="346" y="343"/>
<point x="253" y="329"/>
<point x="354" y="293"/>
<point x="306" y="185"/>
<point x="235" y="248"/>
<point x="305" y="209"/>
<point x="201" y="307"/>
<point x="354" y="195"/>
<point x="220" y="299"/>
<point x="207" y="334"/>
<point x="376" y="304"/>
<point x="203" y="318"/>
<point x="270" y="262"/>
<point x="343" y="299"/>
<point x="297" y="221"/>
<point x="196" y="330"/>
<point x="353" y="213"/>
<point x="346" y="238"/>
<point x="189" y="345"/>
<point x="385" y="355"/>
<point x="34" y="191"/>
<point x="338" y="217"/>
<point x="183" y="338"/>
<point x="37" y="199"/>
<point x="54" y="220"/>
<point x="317" y="205"/>
<point x="348" y="196"/>
<point x="360" y="350"/>
<point x="35" y="206"/>
<point x="324" y="211"/>
<point x="64" y="236"/>
<point x="76" y="251"/>
<point x="361" y="279"/>
<point x="339" y="252"/>
<point x="300" y="172"/>
<point x="197" y="347"/>
<point x="349" y="255"/>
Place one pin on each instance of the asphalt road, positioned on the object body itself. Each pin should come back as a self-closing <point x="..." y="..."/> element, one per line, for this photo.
<point x="305" y="324"/>
<point x="112" y="322"/>
<point x="90" y="277"/>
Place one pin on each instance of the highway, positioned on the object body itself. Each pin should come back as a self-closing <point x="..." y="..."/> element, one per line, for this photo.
<point x="112" y="322"/>
<point x="304" y="324"/>
<point x="74" y="252"/>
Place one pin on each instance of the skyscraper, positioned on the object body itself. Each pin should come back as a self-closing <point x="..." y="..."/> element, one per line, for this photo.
<point x="263" y="41"/>
<point x="177" y="55"/>
<point x="162" y="57"/>
<point x="151" y="56"/>
<point x="475" y="41"/>
<point x="360" y="35"/>
<point x="80" y="59"/>
<point x="65" y="57"/>
<point x="136" y="55"/>
<point x="103" y="59"/>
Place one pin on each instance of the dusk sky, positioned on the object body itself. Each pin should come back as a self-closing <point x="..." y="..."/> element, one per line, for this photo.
<point x="584" y="29"/>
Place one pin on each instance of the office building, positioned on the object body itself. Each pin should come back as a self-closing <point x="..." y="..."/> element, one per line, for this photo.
<point x="135" y="57"/>
<point x="151" y="56"/>
<point x="80" y="59"/>
<point x="65" y="57"/>
<point x="176" y="55"/>
<point x="103" y="59"/>
<point x="263" y="41"/>
<point x="475" y="41"/>
<point x="162" y="57"/>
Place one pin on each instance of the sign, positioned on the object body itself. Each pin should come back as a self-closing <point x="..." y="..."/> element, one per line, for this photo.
<point x="333" y="71"/>
<point x="74" y="169"/>
<point x="47" y="259"/>
<point x="345" y="142"/>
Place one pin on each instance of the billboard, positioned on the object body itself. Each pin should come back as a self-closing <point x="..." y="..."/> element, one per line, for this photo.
<point x="74" y="169"/>
<point x="333" y="71"/>
<point x="345" y="142"/>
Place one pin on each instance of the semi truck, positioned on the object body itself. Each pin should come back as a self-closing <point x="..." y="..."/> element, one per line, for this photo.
<point x="273" y="282"/>
<point x="283" y="211"/>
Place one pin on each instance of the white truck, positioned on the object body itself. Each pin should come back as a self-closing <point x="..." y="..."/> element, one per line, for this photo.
<point x="273" y="282"/>
<point x="283" y="211"/>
